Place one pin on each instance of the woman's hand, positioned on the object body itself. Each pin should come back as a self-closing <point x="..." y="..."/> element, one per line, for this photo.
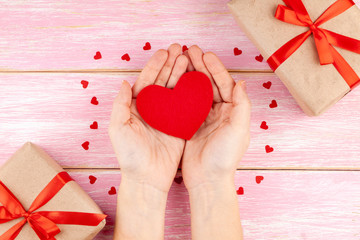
<point x="147" y="155"/>
<point x="148" y="158"/>
<point x="212" y="155"/>
<point x="214" y="152"/>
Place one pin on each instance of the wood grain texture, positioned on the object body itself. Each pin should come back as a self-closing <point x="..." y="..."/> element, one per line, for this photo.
<point x="54" y="111"/>
<point x="65" y="35"/>
<point x="311" y="205"/>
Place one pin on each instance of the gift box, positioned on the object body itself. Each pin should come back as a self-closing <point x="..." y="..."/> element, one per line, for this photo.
<point x="312" y="46"/>
<point x="39" y="200"/>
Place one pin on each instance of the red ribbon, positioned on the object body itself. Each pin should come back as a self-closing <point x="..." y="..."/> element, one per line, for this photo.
<point x="296" y="13"/>
<point x="42" y="222"/>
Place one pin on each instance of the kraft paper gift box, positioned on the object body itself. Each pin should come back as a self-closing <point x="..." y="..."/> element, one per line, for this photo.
<point x="26" y="174"/>
<point x="315" y="87"/>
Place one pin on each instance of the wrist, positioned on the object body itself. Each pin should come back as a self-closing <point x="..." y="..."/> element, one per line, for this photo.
<point x="215" y="185"/>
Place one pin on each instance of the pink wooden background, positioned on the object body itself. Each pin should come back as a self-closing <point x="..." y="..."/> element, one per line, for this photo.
<point x="311" y="179"/>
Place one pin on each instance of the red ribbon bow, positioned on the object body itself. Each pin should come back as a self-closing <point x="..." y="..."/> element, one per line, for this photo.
<point x="42" y="222"/>
<point x="296" y="13"/>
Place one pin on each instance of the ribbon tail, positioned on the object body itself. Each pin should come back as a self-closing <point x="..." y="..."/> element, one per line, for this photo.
<point x="13" y="232"/>
<point x="334" y="10"/>
<point x="341" y="41"/>
<point x="43" y="227"/>
<point x="287" y="50"/>
<point x="345" y="69"/>
<point x="74" y="218"/>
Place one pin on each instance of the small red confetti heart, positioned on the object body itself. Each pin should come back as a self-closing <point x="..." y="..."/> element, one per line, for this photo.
<point x="237" y="51"/>
<point x="184" y="48"/>
<point x="125" y="57"/>
<point x="259" y="179"/>
<point x="259" y="58"/>
<point x="92" y="179"/>
<point x="84" y="83"/>
<point x="273" y="104"/>
<point x="147" y="46"/>
<point x="240" y="191"/>
<point x="94" y="125"/>
<point x="267" y="85"/>
<point x="269" y="149"/>
<point x="97" y="56"/>
<point x="112" y="191"/>
<point x="264" y="126"/>
<point x="85" y="145"/>
<point x="178" y="180"/>
<point x="94" y="101"/>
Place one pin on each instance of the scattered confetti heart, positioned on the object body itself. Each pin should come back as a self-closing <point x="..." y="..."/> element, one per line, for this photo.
<point x="267" y="85"/>
<point x="92" y="179"/>
<point x="84" y="83"/>
<point x="240" y="191"/>
<point x="97" y="56"/>
<point x="147" y="46"/>
<point x="112" y="191"/>
<point x="273" y="104"/>
<point x="237" y="51"/>
<point x="125" y="57"/>
<point x="85" y="145"/>
<point x="94" y="125"/>
<point x="178" y="180"/>
<point x="259" y="58"/>
<point x="94" y="101"/>
<point x="264" y="125"/>
<point x="184" y="48"/>
<point x="259" y="179"/>
<point x="269" y="149"/>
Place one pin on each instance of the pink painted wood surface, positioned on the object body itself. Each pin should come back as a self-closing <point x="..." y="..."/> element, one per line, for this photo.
<point x="65" y="35"/>
<point x="311" y="205"/>
<point x="54" y="111"/>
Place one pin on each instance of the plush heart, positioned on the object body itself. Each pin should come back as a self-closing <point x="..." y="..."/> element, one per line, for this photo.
<point x="180" y="111"/>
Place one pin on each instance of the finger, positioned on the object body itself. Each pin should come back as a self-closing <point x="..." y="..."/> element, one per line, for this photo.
<point x="196" y="56"/>
<point x="221" y="76"/>
<point x="240" y="114"/>
<point x="190" y="66"/>
<point x="120" y="114"/>
<point x="173" y="52"/>
<point x="178" y="70"/>
<point x="151" y="71"/>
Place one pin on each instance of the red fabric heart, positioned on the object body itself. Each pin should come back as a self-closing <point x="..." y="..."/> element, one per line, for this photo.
<point x="269" y="149"/>
<point x="237" y="51"/>
<point x="85" y="145"/>
<point x="94" y="125"/>
<point x="92" y="179"/>
<point x="97" y="56"/>
<point x="264" y="125"/>
<point x="180" y="111"/>
<point x="273" y="104"/>
<point x="240" y="191"/>
<point x="147" y="46"/>
<point x="94" y="101"/>
<point x="125" y="57"/>
<point x="259" y="58"/>
<point x="84" y="83"/>
<point x="267" y="85"/>
<point x="184" y="48"/>
<point x="178" y="180"/>
<point x="112" y="191"/>
<point x="259" y="179"/>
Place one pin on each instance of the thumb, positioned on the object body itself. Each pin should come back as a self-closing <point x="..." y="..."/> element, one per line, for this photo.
<point x="240" y="114"/>
<point x="121" y="106"/>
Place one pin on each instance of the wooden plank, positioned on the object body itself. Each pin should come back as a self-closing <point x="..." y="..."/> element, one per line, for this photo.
<point x="53" y="35"/>
<point x="54" y="111"/>
<point x="62" y="35"/>
<point x="285" y="205"/>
